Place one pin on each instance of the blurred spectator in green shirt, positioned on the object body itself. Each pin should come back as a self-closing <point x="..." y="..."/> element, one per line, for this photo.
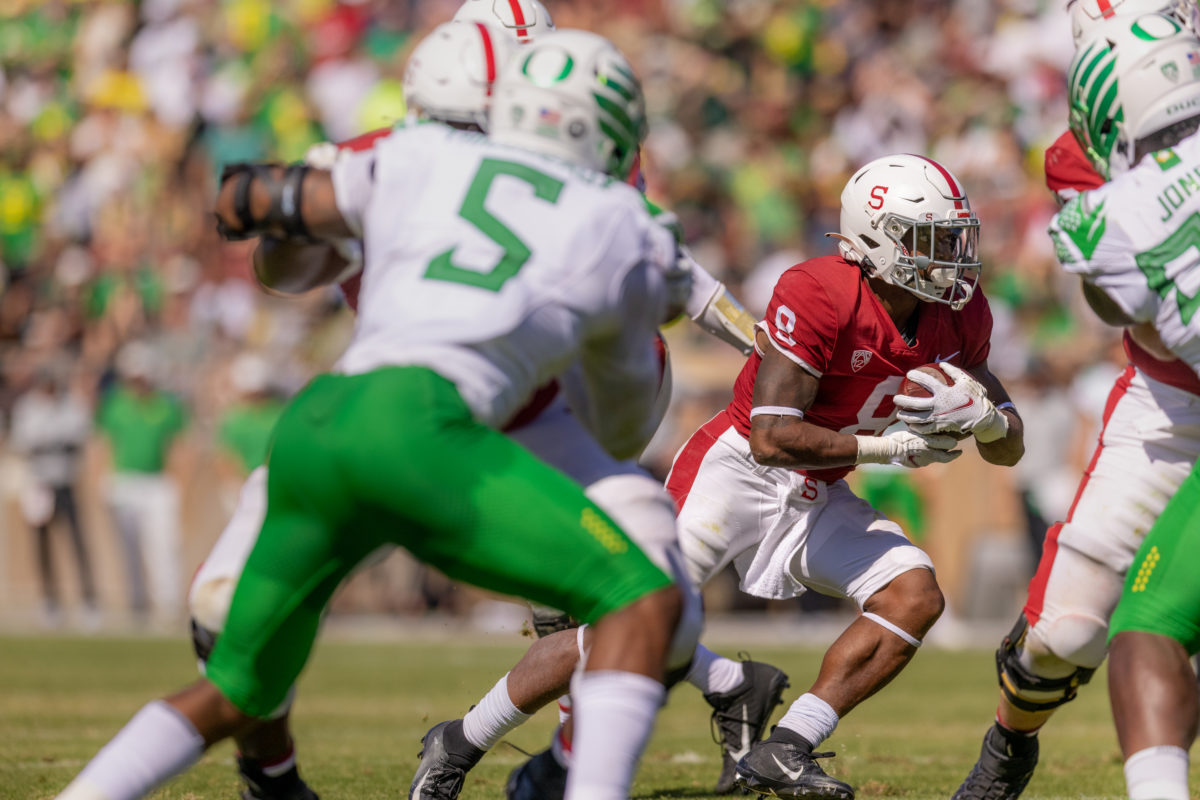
<point x="142" y="424"/>
<point x="244" y="430"/>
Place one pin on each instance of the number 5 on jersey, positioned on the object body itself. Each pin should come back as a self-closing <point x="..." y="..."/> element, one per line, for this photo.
<point x="474" y="211"/>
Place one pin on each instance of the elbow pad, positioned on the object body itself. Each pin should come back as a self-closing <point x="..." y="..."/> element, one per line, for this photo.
<point x="725" y="318"/>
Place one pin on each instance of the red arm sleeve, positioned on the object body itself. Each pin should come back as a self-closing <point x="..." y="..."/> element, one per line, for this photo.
<point x="1068" y="168"/>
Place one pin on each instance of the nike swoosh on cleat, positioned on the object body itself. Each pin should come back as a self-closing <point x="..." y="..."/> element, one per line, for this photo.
<point x="794" y="776"/>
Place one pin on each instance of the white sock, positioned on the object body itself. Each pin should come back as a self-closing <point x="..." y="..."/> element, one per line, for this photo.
<point x="157" y="744"/>
<point x="711" y="673"/>
<point x="811" y="717"/>
<point x="1157" y="773"/>
<point x="494" y="716"/>
<point x="614" y="714"/>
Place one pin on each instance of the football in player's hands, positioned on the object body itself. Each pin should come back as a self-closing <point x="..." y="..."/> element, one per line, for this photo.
<point x="910" y="388"/>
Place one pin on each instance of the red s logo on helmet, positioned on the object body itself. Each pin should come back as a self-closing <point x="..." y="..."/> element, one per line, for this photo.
<point x="877" y="197"/>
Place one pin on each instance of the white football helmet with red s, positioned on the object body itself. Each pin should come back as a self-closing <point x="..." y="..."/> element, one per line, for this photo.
<point x="450" y="73"/>
<point x="906" y="219"/>
<point x="524" y="20"/>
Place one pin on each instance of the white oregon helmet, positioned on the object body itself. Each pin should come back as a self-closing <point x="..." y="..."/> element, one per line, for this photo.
<point x="1134" y="77"/>
<point x="907" y="220"/>
<point x="1087" y="14"/>
<point x="524" y="19"/>
<point x="571" y="95"/>
<point x="450" y="73"/>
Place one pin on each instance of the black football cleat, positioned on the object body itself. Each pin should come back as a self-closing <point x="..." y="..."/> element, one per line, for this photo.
<point x="446" y="758"/>
<point x="780" y="769"/>
<point x="539" y="778"/>
<point x="1005" y="765"/>
<point x="261" y="786"/>
<point x="740" y="716"/>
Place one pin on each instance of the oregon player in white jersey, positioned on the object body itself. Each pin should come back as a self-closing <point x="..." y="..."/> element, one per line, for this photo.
<point x="1132" y="92"/>
<point x="447" y="79"/>
<point x="346" y="477"/>
<point x="1135" y="242"/>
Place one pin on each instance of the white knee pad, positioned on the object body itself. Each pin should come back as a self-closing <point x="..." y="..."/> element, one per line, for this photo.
<point x="1056" y="647"/>
<point x="208" y="601"/>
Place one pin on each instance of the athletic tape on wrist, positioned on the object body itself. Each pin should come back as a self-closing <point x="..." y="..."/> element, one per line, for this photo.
<point x="896" y="629"/>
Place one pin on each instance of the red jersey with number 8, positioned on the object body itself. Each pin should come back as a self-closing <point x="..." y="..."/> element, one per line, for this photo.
<point x="824" y="316"/>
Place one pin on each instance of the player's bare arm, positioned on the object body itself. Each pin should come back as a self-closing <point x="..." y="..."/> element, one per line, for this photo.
<point x="295" y="202"/>
<point x="785" y="439"/>
<point x="1008" y="449"/>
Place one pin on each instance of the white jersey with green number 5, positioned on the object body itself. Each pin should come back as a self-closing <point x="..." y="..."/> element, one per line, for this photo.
<point x="498" y="267"/>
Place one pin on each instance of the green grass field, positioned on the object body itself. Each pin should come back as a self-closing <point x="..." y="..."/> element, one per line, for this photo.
<point x="364" y="707"/>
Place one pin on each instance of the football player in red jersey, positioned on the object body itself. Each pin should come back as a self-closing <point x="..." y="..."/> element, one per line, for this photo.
<point x="1142" y="455"/>
<point x="760" y="485"/>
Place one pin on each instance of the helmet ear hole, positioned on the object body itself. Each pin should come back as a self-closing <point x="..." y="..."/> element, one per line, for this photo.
<point x="577" y="128"/>
<point x="868" y="241"/>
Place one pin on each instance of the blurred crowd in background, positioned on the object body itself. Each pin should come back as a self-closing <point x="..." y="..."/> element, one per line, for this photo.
<point x="141" y="366"/>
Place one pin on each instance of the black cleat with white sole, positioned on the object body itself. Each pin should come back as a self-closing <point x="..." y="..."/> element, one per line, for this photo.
<point x="780" y="769"/>
<point x="741" y="715"/>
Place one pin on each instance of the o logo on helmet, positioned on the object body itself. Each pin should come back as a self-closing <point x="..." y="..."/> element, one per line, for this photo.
<point x="877" y="197"/>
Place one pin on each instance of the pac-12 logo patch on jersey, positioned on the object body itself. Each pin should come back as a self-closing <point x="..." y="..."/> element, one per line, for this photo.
<point x="859" y="359"/>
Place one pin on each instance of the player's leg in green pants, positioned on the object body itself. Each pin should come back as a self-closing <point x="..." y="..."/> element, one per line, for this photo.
<point x="1154" y="629"/>
<point x="395" y="456"/>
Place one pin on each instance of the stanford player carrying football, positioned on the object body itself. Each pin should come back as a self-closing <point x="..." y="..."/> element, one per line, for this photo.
<point x="1148" y="440"/>
<point x="760" y="485"/>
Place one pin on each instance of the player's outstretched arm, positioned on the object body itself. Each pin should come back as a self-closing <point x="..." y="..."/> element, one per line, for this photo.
<point x="714" y="308"/>
<point x="295" y="202"/>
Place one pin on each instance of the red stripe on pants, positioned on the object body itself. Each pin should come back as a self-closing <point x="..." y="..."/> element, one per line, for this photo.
<point x="1037" y="586"/>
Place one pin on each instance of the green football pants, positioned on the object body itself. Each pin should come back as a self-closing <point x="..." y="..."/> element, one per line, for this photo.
<point x="1162" y="587"/>
<point x="395" y="456"/>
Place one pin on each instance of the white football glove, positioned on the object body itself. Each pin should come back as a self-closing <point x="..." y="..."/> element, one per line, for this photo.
<point x="906" y="449"/>
<point x="959" y="407"/>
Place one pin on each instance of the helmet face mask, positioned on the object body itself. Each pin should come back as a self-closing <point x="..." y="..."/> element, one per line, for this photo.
<point x="573" y="96"/>
<point x="906" y="220"/>
<point x="945" y="271"/>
